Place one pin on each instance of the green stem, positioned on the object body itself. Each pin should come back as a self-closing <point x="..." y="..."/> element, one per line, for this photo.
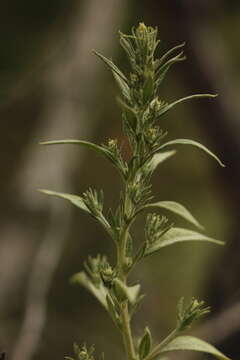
<point x="122" y="273"/>
<point x="127" y="334"/>
<point x="157" y="350"/>
<point x="122" y="254"/>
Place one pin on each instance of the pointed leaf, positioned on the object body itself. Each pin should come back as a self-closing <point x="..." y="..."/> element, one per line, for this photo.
<point x="170" y="106"/>
<point x="135" y="307"/>
<point x="112" y="311"/>
<point x="74" y="199"/>
<point x="193" y="143"/>
<point x="99" y="149"/>
<point x="127" y="292"/>
<point x="168" y="53"/>
<point x="99" y="291"/>
<point x="177" y="235"/>
<point x="194" y="344"/>
<point x="127" y="46"/>
<point x="122" y="85"/>
<point x="162" y="71"/>
<point x="160" y="157"/>
<point x="145" y="344"/>
<point x="111" y="65"/>
<point x="176" y="208"/>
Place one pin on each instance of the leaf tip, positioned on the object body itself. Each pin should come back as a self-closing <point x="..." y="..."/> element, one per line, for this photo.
<point x="42" y="191"/>
<point x="45" y="191"/>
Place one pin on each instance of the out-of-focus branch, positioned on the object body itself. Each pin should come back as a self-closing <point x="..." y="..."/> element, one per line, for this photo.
<point x="61" y="118"/>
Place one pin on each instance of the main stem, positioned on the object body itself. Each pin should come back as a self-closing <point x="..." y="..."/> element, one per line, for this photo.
<point x="127" y="333"/>
<point x="125" y="317"/>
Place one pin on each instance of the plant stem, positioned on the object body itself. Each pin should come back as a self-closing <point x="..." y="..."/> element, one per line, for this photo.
<point x="156" y="351"/>
<point x="121" y="264"/>
<point x="127" y="334"/>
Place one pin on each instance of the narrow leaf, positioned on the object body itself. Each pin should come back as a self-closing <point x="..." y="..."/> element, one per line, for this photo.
<point x="100" y="292"/>
<point x="99" y="149"/>
<point x="122" y="85"/>
<point x="111" y="65"/>
<point x="169" y="52"/>
<point x="160" y="157"/>
<point x="145" y="344"/>
<point x="196" y="96"/>
<point x="112" y="311"/>
<point x="193" y="143"/>
<point x="74" y="199"/>
<point x="194" y="344"/>
<point x="176" y="208"/>
<point x="177" y="235"/>
<point x="162" y="71"/>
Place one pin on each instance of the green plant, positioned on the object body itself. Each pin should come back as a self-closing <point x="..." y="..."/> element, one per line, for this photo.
<point x="141" y="110"/>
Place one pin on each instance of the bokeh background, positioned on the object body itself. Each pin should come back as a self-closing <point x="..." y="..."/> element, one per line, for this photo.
<point x="52" y="87"/>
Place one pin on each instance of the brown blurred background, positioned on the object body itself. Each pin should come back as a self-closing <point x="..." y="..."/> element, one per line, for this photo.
<point x="52" y="87"/>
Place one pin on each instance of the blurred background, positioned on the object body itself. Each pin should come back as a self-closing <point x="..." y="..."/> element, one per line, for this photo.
<point x="52" y="87"/>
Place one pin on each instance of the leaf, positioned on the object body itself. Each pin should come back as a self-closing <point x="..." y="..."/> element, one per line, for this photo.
<point x="135" y="307"/>
<point x="177" y="235"/>
<point x="193" y="143"/>
<point x="170" y="106"/>
<point x="111" y="65"/>
<point x="162" y="71"/>
<point x="100" y="292"/>
<point x="99" y="149"/>
<point x="124" y="291"/>
<point x="145" y="344"/>
<point x="74" y="199"/>
<point x="112" y="311"/>
<point x="169" y="52"/>
<point x="127" y="46"/>
<point x="123" y="86"/>
<point x="148" y="87"/>
<point x="160" y="157"/>
<point x="195" y="344"/>
<point x="176" y="208"/>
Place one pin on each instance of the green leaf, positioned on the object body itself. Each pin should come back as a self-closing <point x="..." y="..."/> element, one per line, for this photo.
<point x="148" y="88"/>
<point x="195" y="344"/>
<point x="168" y="53"/>
<point x="176" y="208"/>
<point x="113" y="312"/>
<point x="80" y="203"/>
<point x="127" y="292"/>
<point x="162" y="71"/>
<point x="196" y="96"/>
<point x="111" y="65"/>
<point x="145" y="344"/>
<point x="74" y="199"/>
<point x="100" y="292"/>
<point x="160" y="157"/>
<point x="99" y="149"/>
<point x="193" y="143"/>
<point x="127" y="46"/>
<point x="123" y="86"/>
<point x="177" y="235"/>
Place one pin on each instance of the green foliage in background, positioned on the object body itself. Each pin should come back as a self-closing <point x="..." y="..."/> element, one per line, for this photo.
<point x="142" y="110"/>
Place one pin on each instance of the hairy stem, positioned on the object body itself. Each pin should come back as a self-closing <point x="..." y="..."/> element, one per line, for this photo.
<point x="121" y="264"/>
<point x="127" y="333"/>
